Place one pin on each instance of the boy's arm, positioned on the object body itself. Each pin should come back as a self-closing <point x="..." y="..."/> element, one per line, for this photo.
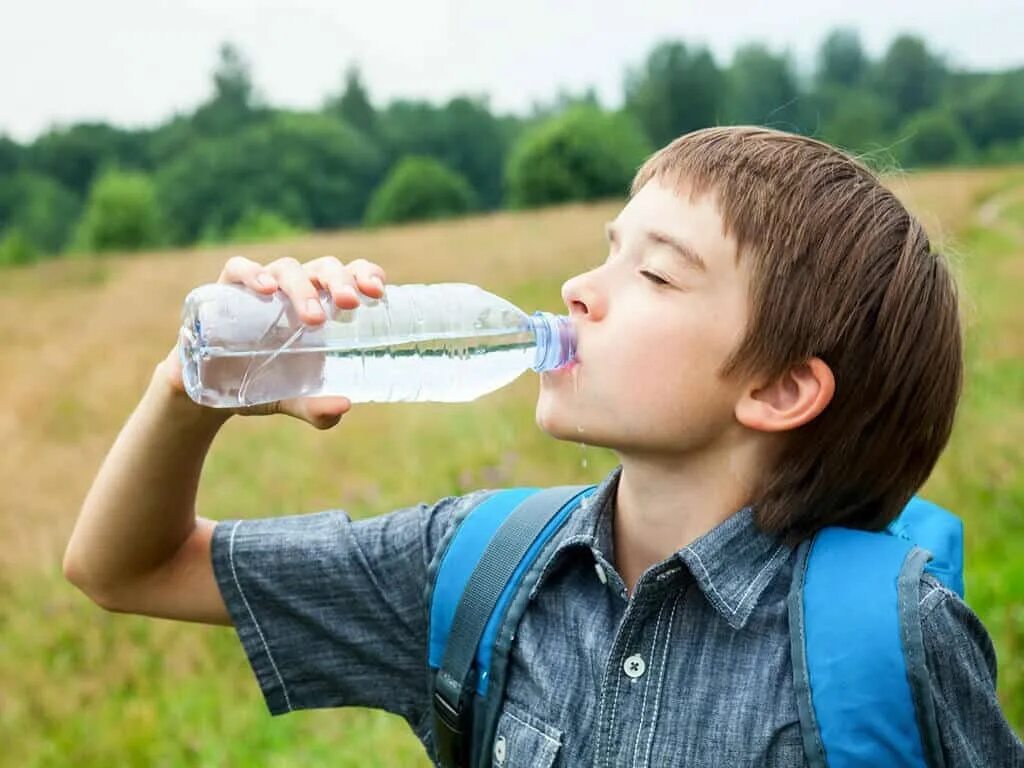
<point x="962" y="669"/>
<point x="330" y="612"/>
<point x="137" y="545"/>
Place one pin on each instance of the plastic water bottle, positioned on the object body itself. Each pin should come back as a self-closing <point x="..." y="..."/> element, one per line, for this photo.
<point x="445" y="342"/>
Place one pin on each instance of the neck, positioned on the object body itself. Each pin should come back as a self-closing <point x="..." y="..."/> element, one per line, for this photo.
<point x="663" y="503"/>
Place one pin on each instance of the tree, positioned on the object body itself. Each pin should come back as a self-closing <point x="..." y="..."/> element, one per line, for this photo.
<point x="420" y="188"/>
<point x="909" y="77"/>
<point x="677" y="91"/>
<point x="354" y="104"/>
<point x="841" y="59"/>
<point x="463" y="135"/>
<point x="762" y="89"/>
<point x="11" y="156"/>
<point x="563" y="100"/>
<point x="310" y="169"/>
<point x="167" y="141"/>
<point x="933" y="137"/>
<point x="856" y="117"/>
<point x="992" y="110"/>
<point x="121" y="214"/>
<point x="233" y="104"/>
<point x="73" y="155"/>
<point x="584" y="154"/>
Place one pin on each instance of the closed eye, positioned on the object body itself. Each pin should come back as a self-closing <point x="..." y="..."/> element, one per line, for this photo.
<point x="656" y="279"/>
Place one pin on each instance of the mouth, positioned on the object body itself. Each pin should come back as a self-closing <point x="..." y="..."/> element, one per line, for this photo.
<point x="564" y="372"/>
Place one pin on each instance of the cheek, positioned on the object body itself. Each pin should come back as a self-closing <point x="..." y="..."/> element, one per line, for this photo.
<point x="677" y="368"/>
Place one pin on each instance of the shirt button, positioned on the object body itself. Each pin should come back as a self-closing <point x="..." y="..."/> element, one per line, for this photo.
<point x="601" y="575"/>
<point x="500" y="750"/>
<point x="634" y="666"/>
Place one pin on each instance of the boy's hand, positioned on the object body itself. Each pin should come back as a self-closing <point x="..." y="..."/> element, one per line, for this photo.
<point x="301" y="284"/>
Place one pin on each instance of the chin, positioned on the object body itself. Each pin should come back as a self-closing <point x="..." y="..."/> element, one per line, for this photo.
<point x="562" y="423"/>
<point x="546" y="417"/>
<point x="556" y="419"/>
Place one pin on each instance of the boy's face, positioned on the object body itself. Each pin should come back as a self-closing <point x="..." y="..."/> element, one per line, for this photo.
<point x="649" y="354"/>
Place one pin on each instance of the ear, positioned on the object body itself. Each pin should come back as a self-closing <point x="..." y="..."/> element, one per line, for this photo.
<point x="790" y="401"/>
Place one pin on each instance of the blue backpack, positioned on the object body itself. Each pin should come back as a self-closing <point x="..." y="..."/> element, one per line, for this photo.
<point x="858" y="655"/>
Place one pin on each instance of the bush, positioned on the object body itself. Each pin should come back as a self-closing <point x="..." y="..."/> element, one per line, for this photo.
<point x="257" y="225"/>
<point x="583" y="154"/>
<point x="932" y="138"/>
<point x="42" y="210"/>
<point x="1005" y="152"/>
<point x="16" y="249"/>
<point x="121" y="214"/>
<point x="420" y="188"/>
<point x="462" y="134"/>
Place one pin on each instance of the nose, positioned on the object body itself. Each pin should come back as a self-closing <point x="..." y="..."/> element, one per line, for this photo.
<point x="582" y="299"/>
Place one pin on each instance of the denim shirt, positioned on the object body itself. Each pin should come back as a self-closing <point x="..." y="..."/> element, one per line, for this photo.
<point x="692" y="670"/>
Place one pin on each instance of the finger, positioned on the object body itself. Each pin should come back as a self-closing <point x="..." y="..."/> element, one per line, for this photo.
<point x="369" y="277"/>
<point x="249" y="273"/>
<point x="299" y="289"/>
<point x="336" y="278"/>
<point x="321" y="412"/>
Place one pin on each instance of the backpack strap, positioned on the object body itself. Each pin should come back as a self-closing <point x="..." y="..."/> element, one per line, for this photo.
<point x="476" y="581"/>
<point x="940" y="532"/>
<point x="858" y="656"/>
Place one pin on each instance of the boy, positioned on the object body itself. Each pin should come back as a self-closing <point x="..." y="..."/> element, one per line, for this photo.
<point x="771" y="347"/>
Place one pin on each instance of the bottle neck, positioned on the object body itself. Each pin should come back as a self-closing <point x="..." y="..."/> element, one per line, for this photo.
<point x="556" y="341"/>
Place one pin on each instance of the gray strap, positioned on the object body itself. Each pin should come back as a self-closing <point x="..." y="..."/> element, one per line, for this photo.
<point x="489" y="578"/>
<point x="814" y="750"/>
<point x="909" y="588"/>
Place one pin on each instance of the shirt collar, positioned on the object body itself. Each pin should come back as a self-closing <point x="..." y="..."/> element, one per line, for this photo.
<point x="732" y="563"/>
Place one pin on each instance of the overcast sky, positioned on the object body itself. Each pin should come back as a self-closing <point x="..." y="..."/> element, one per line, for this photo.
<point x="136" y="62"/>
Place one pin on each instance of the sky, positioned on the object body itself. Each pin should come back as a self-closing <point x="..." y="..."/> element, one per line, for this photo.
<point x="137" y="62"/>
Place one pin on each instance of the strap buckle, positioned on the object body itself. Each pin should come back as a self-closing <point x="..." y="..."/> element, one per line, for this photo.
<point x="451" y="727"/>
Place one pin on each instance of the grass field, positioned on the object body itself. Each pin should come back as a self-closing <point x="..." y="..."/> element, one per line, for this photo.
<point x="80" y="339"/>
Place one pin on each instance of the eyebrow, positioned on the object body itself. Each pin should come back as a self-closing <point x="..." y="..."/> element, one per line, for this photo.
<point x="682" y="249"/>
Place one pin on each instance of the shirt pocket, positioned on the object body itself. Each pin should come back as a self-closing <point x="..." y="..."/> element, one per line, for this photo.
<point x="523" y="741"/>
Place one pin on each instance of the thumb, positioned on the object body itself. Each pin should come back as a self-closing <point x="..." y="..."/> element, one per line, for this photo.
<point x="321" y="412"/>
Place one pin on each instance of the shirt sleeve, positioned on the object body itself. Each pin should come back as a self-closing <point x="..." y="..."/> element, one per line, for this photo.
<point x="332" y="612"/>
<point x="962" y="668"/>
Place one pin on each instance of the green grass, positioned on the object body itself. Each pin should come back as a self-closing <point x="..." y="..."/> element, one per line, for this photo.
<point x="980" y="475"/>
<point x="92" y="689"/>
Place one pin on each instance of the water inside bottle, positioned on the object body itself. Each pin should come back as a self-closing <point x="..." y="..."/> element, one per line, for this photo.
<point x="413" y="368"/>
<point x="443" y="343"/>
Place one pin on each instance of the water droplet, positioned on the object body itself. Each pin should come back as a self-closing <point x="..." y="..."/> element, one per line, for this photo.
<point x="583" y="459"/>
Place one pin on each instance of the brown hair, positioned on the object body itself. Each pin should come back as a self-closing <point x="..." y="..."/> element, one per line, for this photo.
<point x="839" y="270"/>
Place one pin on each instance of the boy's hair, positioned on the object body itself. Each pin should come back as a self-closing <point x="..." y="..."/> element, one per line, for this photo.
<point x="841" y="271"/>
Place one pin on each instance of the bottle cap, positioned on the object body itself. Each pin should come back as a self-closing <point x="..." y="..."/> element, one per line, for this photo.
<point x="556" y="341"/>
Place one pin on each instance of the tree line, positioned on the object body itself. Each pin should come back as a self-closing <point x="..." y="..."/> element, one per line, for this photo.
<point x="237" y="168"/>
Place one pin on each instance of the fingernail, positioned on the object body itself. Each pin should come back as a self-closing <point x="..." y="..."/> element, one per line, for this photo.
<point x="265" y="280"/>
<point x="314" y="308"/>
